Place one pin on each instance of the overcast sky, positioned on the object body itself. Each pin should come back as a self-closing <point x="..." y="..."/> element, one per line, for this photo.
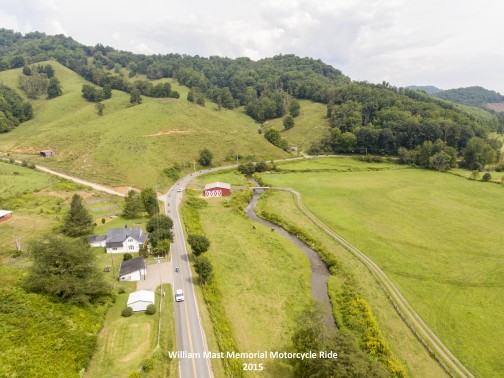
<point x="446" y="43"/>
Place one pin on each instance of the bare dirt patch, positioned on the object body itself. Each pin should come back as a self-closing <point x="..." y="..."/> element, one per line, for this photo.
<point x="169" y="132"/>
<point x="497" y="106"/>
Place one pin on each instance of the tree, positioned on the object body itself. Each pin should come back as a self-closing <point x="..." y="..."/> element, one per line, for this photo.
<point x="162" y="247"/>
<point x="54" y="88"/>
<point x="273" y="136"/>
<point x="135" y="97"/>
<point x="149" y="200"/>
<point x="477" y="154"/>
<point x="133" y="205"/>
<point x="198" y="243"/>
<point x="288" y="122"/>
<point x="204" y="268"/>
<point x="294" y="108"/>
<point x="313" y="334"/>
<point x="65" y="268"/>
<point x="159" y="235"/>
<point x="127" y="312"/>
<point x="99" y="108"/>
<point x="205" y="158"/>
<point x="77" y="222"/>
<point x="159" y="221"/>
<point x="347" y="116"/>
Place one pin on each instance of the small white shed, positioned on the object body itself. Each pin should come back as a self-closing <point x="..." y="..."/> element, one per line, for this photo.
<point x="139" y="300"/>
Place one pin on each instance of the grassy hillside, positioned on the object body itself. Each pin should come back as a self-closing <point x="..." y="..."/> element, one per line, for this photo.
<point x="309" y="126"/>
<point x="128" y="145"/>
<point x="439" y="238"/>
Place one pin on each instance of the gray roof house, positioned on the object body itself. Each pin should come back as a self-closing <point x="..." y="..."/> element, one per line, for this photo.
<point x="120" y="240"/>
<point x="133" y="270"/>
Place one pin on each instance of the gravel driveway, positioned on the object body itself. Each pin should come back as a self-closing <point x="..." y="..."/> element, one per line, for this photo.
<point x="157" y="273"/>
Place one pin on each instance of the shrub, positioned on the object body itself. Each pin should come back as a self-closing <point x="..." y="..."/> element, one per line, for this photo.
<point x="148" y="364"/>
<point x="486" y="177"/>
<point x="120" y="290"/>
<point x="151" y="309"/>
<point x="127" y="256"/>
<point x="198" y="243"/>
<point x="127" y="312"/>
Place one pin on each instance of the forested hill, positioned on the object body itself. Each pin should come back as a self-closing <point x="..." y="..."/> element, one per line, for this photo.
<point x="429" y="89"/>
<point x="472" y="96"/>
<point x="364" y="117"/>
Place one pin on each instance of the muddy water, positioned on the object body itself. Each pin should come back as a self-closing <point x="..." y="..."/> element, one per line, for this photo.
<point x="319" y="271"/>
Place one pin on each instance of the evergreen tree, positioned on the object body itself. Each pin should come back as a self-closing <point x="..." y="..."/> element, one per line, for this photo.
<point x="78" y="222"/>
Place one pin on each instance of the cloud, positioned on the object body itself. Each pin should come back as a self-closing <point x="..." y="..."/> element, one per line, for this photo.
<point x="427" y="42"/>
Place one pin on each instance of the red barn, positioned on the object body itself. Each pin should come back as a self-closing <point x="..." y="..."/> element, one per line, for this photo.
<point x="5" y="215"/>
<point x="217" y="189"/>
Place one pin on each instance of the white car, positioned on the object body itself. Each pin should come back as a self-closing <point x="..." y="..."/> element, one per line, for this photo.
<point x="179" y="190"/>
<point x="179" y="295"/>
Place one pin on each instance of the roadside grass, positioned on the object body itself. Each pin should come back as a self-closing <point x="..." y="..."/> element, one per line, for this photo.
<point x="309" y="126"/>
<point x="265" y="281"/>
<point x="439" y="237"/>
<point x="128" y="145"/>
<point x="396" y="334"/>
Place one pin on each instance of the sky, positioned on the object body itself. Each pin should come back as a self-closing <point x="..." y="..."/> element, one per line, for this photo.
<point x="445" y="43"/>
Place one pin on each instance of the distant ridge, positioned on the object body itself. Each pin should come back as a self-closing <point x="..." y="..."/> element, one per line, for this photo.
<point x="473" y="96"/>
<point x="429" y="89"/>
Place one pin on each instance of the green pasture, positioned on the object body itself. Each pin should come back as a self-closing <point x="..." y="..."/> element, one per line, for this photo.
<point x="438" y="236"/>
<point x="264" y="279"/>
<point x="340" y="163"/>
<point x="229" y="176"/>
<point x="309" y="126"/>
<point x="128" y="145"/>
<point x="401" y="341"/>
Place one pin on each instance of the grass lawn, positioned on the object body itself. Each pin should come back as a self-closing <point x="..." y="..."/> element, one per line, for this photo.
<point x="439" y="237"/>
<point x="125" y="343"/>
<point x="264" y="278"/>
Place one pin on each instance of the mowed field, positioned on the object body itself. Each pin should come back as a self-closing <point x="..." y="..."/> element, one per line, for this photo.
<point x="129" y="145"/>
<point x="265" y="281"/>
<point x="39" y="203"/>
<point x="439" y="237"/>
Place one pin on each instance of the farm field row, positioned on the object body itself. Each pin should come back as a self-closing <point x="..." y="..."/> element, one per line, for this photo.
<point x="439" y="237"/>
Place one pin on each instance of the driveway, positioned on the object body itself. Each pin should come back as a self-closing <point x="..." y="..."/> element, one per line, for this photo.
<point x="157" y="273"/>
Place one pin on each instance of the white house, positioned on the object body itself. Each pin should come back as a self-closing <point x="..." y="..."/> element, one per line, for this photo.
<point x="139" y="300"/>
<point x="120" y="240"/>
<point x="133" y="270"/>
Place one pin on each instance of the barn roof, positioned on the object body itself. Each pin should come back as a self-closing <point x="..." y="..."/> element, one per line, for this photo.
<point x="141" y="296"/>
<point x="4" y="212"/>
<point x="218" y="184"/>
<point x="132" y="265"/>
